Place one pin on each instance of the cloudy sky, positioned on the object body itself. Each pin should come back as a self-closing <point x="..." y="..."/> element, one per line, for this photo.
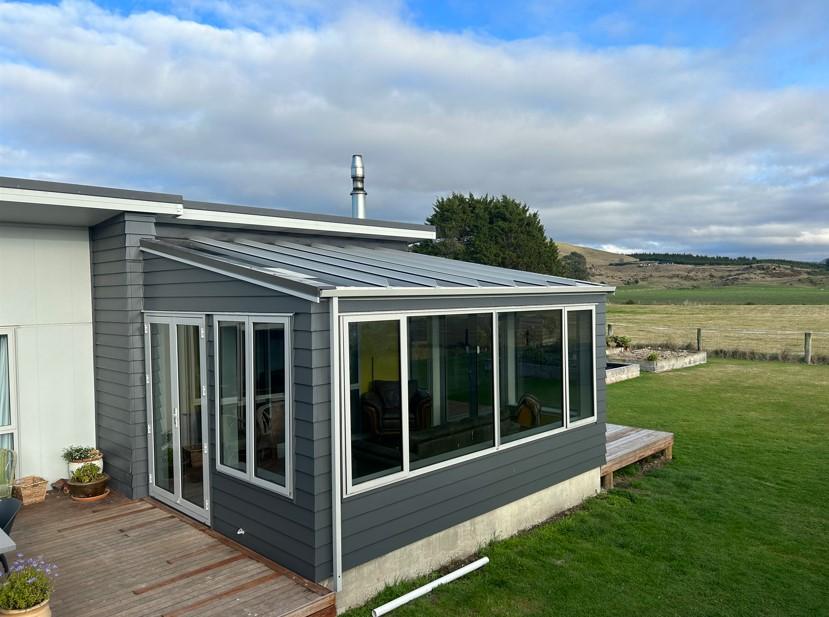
<point x="691" y="126"/>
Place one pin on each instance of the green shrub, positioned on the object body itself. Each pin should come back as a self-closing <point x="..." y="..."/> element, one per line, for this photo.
<point x="653" y="356"/>
<point x="87" y="473"/>
<point x="619" y="341"/>
<point x="29" y="582"/>
<point x="74" y="454"/>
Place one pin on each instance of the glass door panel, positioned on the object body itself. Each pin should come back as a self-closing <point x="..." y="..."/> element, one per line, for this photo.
<point x="175" y="368"/>
<point x="162" y="404"/>
<point x="190" y="413"/>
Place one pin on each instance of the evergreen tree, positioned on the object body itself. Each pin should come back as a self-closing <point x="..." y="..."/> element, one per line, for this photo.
<point x="488" y="230"/>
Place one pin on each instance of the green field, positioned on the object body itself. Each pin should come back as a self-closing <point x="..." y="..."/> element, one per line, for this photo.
<point x="763" y="328"/>
<point x="736" y="525"/>
<point x="736" y="294"/>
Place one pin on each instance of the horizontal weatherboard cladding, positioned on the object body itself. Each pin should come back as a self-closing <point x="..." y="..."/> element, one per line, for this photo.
<point x="120" y="412"/>
<point x="286" y="530"/>
<point x="390" y="517"/>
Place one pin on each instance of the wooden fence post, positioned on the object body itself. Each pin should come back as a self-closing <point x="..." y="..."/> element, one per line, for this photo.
<point x="609" y="330"/>
<point x="807" y="348"/>
<point x="699" y="339"/>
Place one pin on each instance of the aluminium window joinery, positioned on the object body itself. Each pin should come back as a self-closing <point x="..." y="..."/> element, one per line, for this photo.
<point x="254" y="400"/>
<point x="462" y="371"/>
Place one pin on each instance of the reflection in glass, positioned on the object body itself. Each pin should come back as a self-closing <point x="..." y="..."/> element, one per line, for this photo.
<point x="580" y="364"/>
<point x="269" y="401"/>
<point x="450" y="387"/>
<point x="161" y="380"/>
<point x="232" y="395"/>
<point x="530" y="358"/>
<point x="376" y="406"/>
<point x="190" y="420"/>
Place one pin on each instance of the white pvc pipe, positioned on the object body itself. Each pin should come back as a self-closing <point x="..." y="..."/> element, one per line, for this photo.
<point x="422" y="591"/>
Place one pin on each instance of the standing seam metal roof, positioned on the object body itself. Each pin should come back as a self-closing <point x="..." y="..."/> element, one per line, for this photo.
<point x="341" y="269"/>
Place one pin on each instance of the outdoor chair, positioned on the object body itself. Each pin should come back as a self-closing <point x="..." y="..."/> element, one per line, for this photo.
<point x="9" y="508"/>
<point x="7" y="457"/>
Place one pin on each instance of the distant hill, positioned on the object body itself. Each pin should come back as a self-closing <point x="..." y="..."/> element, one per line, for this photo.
<point x="594" y="257"/>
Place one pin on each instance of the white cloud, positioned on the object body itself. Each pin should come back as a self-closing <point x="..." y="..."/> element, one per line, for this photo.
<point x="625" y="146"/>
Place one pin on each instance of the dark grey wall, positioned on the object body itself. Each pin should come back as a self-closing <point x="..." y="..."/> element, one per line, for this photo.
<point x="294" y="532"/>
<point x="117" y="300"/>
<point x="391" y="517"/>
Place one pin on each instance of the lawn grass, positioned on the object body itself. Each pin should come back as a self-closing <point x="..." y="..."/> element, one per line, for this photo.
<point x="761" y="328"/>
<point x="733" y="294"/>
<point x="737" y="524"/>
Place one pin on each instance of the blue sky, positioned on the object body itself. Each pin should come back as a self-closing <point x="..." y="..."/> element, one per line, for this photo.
<point x="616" y="120"/>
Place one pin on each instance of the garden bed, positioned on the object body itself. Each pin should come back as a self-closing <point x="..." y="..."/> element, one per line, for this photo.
<point x="655" y="360"/>
<point x="621" y="371"/>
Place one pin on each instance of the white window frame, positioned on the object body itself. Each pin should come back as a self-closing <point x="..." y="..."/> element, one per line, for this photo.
<point x="11" y="429"/>
<point x="249" y="475"/>
<point x="401" y="317"/>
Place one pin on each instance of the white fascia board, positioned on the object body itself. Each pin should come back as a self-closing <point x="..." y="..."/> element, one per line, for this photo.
<point x="375" y="292"/>
<point x="75" y="200"/>
<point x="238" y="218"/>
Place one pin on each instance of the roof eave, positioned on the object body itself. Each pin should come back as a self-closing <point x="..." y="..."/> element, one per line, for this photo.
<point x="379" y="292"/>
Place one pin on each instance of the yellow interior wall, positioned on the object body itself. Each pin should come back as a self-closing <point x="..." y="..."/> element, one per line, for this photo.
<point x="376" y="341"/>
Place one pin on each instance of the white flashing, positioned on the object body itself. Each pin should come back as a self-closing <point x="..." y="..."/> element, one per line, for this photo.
<point x="76" y="200"/>
<point x="282" y="222"/>
<point x="370" y="292"/>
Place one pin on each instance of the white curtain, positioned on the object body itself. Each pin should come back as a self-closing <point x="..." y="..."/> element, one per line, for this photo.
<point x="5" y="390"/>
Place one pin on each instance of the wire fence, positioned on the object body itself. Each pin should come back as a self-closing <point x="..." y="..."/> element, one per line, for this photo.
<point x="786" y="344"/>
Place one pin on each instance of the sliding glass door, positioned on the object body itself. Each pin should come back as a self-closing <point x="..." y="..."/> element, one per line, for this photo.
<point x="177" y="409"/>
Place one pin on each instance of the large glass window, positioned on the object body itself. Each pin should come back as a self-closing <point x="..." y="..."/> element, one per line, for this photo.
<point x="269" y="413"/>
<point x="421" y="389"/>
<point x="376" y="399"/>
<point x="531" y="373"/>
<point x="580" y="364"/>
<point x="254" y="409"/>
<point x="450" y="387"/>
<point x="7" y="415"/>
<point x="232" y="386"/>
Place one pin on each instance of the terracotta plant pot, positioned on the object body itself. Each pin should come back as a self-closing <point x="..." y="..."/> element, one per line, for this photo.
<point x="41" y="610"/>
<point x="88" y="489"/>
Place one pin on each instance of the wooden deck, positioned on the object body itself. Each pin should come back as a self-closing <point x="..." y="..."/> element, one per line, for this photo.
<point x="139" y="558"/>
<point x="627" y="445"/>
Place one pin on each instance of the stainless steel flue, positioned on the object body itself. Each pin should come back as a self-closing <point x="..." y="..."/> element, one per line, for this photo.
<point x="358" y="192"/>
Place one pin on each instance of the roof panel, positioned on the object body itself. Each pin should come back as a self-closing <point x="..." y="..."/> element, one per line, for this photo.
<point x="332" y="269"/>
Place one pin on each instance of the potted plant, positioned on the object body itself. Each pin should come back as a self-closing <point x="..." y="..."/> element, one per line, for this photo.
<point x="88" y="483"/>
<point x="75" y="456"/>
<point x="27" y="588"/>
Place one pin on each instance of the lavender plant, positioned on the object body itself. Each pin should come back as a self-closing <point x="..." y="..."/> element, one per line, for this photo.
<point x="28" y="583"/>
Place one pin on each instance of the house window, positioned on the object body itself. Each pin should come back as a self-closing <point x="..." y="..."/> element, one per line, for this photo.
<point x="462" y="370"/>
<point x="376" y="391"/>
<point x="8" y="402"/>
<point x="450" y="387"/>
<point x="580" y="361"/>
<point x="253" y="368"/>
<point x="531" y="373"/>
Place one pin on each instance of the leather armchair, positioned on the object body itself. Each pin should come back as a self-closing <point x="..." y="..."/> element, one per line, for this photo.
<point x="381" y="407"/>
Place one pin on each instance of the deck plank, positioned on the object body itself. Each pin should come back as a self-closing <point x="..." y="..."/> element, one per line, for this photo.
<point x="626" y="445"/>
<point x="140" y="558"/>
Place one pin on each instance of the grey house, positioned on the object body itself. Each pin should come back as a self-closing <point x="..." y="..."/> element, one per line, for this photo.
<point x="302" y="384"/>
